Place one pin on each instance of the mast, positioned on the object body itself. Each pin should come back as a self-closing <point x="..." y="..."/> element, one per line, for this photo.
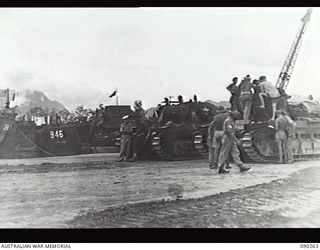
<point x="117" y="99"/>
<point x="8" y="99"/>
<point x="288" y="66"/>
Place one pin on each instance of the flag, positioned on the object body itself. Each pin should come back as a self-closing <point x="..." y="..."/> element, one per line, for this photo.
<point x="113" y="94"/>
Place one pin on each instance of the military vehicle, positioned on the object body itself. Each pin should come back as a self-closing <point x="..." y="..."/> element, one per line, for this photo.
<point x="258" y="137"/>
<point x="25" y="139"/>
<point x="170" y="137"/>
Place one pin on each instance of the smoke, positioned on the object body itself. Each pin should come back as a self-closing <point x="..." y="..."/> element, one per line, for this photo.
<point x="71" y="94"/>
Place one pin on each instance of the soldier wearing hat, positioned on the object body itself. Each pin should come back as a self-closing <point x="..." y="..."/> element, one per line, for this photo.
<point x="235" y="93"/>
<point x="126" y="130"/>
<point x="245" y="98"/>
<point x="215" y="133"/>
<point x="290" y="131"/>
<point x="229" y="145"/>
<point x="281" y="125"/>
<point x="139" y="132"/>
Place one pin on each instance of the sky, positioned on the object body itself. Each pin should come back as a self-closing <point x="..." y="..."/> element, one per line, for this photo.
<point x="81" y="55"/>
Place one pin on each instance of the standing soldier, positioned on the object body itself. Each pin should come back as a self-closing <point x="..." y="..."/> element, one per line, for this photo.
<point x="281" y="136"/>
<point x="290" y="131"/>
<point x="229" y="145"/>
<point x="211" y="147"/>
<point x="234" y="90"/>
<point x="140" y="129"/>
<point x="215" y="135"/>
<point x="180" y="99"/>
<point x="126" y="130"/>
<point x="246" y="97"/>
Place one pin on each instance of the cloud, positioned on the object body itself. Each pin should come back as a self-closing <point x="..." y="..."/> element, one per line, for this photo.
<point x="79" y="56"/>
<point x="20" y="78"/>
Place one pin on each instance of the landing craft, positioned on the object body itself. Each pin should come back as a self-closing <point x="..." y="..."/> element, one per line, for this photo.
<point x="26" y="139"/>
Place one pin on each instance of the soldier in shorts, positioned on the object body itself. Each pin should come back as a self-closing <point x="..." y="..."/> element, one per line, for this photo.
<point x="269" y="90"/>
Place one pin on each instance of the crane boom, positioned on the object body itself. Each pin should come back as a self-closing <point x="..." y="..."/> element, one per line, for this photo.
<point x="288" y="66"/>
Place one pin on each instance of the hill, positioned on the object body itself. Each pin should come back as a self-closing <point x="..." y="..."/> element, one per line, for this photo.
<point x="225" y="104"/>
<point x="28" y="99"/>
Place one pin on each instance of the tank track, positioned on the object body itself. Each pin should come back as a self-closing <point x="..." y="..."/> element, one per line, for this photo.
<point x="251" y="151"/>
<point x="200" y="146"/>
<point x="158" y="149"/>
<point x="247" y="147"/>
<point x="203" y="152"/>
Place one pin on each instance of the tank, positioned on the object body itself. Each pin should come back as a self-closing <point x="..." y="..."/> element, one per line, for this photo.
<point x="258" y="137"/>
<point x="171" y="136"/>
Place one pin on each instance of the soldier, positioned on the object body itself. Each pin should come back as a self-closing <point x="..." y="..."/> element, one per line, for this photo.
<point x="256" y="87"/>
<point x="290" y="131"/>
<point x="281" y="136"/>
<point x="215" y="136"/>
<point x="58" y="118"/>
<point x="246" y="97"/>
<point x="195" y="98"/>
<point x="140" y="129"/>
<point x="138" y="108"/>
<point x="166" y="101"/>
<point x="126" y="136"/>
<point x="52" y="115"/>
<point x="211" y="147"/>
<point x="235" y="93"/>
<point x="269" y="90"/>
<point x="229" y="144"/>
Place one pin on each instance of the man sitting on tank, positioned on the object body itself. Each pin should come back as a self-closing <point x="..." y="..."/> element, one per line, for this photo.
<point x="270" y="91"/>
<point x="180" y="99"/>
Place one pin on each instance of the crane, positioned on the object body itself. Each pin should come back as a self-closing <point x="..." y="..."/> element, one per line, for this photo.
<point x="288" y="66"/>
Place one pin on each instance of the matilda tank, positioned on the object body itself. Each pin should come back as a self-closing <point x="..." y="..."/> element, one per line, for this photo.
<point x="258" y="137"/>
<point x="171" y="136"/>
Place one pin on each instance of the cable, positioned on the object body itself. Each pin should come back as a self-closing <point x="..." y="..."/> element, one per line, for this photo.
<point x="32" y="142"/>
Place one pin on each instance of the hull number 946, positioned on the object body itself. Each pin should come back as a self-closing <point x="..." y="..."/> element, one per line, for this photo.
<point x="54" y="134"/>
